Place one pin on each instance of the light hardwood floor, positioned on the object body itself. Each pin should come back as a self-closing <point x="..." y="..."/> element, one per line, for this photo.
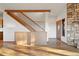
<point x="59" y="49"/>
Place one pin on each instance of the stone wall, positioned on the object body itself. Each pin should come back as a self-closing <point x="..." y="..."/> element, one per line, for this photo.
<point x="73" y="24"/>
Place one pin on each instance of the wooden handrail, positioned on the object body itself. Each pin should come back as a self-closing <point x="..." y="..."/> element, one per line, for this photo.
<point x="21" y="21"/>
<point x="32" y="20"/>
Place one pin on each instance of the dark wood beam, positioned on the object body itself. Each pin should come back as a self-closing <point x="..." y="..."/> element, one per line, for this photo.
<point x="27" y="10"/>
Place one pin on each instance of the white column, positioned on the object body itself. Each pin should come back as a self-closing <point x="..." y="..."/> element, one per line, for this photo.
<point x="46" y="24"/>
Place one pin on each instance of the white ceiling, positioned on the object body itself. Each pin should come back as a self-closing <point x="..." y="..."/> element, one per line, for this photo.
<point x="56" y="8"/>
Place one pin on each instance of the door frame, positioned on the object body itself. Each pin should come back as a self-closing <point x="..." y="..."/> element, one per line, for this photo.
<point x="58" y="32"/>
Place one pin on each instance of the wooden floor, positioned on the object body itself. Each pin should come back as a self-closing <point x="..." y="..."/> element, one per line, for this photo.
<point x="58" y="49"/>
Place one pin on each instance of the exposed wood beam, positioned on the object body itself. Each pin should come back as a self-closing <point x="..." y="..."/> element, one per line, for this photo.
<point x="27" y="10"/>
<point x="21" y="21"/>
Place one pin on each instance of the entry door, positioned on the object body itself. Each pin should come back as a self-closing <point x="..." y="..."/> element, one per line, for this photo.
<point x="1" y="38"/>
<point x="58" y="29"/>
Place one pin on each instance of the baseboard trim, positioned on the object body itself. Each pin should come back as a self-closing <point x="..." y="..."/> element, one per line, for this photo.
<point x="51" y="38"/>
<point x="9" y="41"/>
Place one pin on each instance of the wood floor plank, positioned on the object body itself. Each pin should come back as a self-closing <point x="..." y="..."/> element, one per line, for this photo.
<point x="9" y="52"/>
<point x="32" y="51"/>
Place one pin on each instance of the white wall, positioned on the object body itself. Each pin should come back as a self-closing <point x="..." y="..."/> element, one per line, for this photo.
<point x="10" y="26"/>
<point x="50" y="26"/>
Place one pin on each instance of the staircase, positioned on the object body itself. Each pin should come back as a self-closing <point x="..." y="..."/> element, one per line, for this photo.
<point x="37" y="34"/>
<point x="26" y="21"/>
<point x="38" y="18"/>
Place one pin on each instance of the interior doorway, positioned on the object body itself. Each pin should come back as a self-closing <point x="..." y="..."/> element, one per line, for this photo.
<point x="58" y="29"/>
